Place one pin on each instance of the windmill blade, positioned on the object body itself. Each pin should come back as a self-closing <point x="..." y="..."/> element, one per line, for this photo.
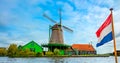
<point x="60" y="16"/>
<point x="49" y="18"/>
<point x="67" y="28"/>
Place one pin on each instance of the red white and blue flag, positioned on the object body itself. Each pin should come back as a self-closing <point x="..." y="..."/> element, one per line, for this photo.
<point x="104" y="33"/>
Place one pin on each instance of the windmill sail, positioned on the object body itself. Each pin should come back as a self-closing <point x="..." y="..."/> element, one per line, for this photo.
<point x="57" y="32"/>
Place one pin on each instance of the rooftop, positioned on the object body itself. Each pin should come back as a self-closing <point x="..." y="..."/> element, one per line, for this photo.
<point x="83" y="47"/>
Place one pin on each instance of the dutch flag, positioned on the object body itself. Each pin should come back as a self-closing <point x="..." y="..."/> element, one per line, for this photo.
<point x="104" y="33"/>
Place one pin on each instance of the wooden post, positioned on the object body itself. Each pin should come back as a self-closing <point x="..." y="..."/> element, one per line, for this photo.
<point x="113" y="35"/>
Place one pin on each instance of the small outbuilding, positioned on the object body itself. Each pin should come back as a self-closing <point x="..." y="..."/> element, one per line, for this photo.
<point x="83" y="49"/>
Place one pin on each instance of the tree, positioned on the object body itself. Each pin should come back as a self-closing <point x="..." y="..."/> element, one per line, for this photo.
<point x="3" y="52"/>
<point x="56" y="51"/>
<point x="20" y="48"/>
<point x="12" y="50"/>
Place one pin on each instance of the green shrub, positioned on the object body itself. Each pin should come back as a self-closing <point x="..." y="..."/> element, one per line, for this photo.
<point x="56" y="51"/>
<point x="49" y="53"/>
<point x="30" y="54"/>
<point x="39" y="54"/>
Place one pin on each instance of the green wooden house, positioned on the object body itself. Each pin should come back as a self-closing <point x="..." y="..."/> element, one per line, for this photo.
<point x="33" y="46"/>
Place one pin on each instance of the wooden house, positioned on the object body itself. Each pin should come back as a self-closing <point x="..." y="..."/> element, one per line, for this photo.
<point x="118" y="52"/>
<point x="83" y="49"/>
<point x="32" y="46"/>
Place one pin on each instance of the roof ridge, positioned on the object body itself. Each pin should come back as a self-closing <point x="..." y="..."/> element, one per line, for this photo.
<point x="31" y="42"/>
<point x="87" y="47"/>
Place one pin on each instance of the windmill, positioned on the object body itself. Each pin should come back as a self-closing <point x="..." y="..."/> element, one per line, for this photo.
<point x="57" y="32"/>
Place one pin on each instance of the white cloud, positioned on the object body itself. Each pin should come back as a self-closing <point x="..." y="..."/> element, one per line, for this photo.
<point x="80" y="4"/>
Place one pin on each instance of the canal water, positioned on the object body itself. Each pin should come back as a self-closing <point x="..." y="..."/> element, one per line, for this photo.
<point x="60" y="60"/>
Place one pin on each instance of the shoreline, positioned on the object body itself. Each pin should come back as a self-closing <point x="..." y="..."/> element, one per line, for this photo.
<point x="60" y="56"/>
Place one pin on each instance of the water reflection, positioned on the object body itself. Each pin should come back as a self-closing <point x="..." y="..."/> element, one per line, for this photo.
<point x="59" y="60"/>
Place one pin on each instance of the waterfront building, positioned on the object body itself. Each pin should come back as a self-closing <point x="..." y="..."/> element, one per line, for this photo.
<point x="32" y="46"/>
<point x="83" y="49"/>
<point x="118" y="52"/>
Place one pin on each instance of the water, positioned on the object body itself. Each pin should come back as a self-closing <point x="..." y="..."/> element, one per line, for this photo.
<point x="60" y="60"/>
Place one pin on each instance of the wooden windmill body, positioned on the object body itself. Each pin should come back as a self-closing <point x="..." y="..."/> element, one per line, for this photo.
<point x="56" y="36"/>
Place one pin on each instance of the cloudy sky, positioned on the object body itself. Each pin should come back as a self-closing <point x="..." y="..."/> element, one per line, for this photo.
<point x="22" y="21"/>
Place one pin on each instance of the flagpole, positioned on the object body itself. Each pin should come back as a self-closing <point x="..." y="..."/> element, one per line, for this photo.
<point x="114" y="41"/>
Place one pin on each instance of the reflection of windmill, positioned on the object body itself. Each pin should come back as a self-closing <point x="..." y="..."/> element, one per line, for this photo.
<point x="57" y="32"/>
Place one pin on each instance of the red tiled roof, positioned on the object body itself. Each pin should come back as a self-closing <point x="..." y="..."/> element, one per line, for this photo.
<point x="83" y="47"/>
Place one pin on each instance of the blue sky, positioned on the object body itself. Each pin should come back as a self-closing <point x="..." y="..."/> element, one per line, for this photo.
<point x="22" y="21"/>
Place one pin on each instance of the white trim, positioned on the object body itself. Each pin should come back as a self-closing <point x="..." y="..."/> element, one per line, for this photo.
<point x="104" y="32"/>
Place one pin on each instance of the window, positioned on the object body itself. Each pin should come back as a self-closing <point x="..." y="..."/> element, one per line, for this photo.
<point x="32" y="49"/>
